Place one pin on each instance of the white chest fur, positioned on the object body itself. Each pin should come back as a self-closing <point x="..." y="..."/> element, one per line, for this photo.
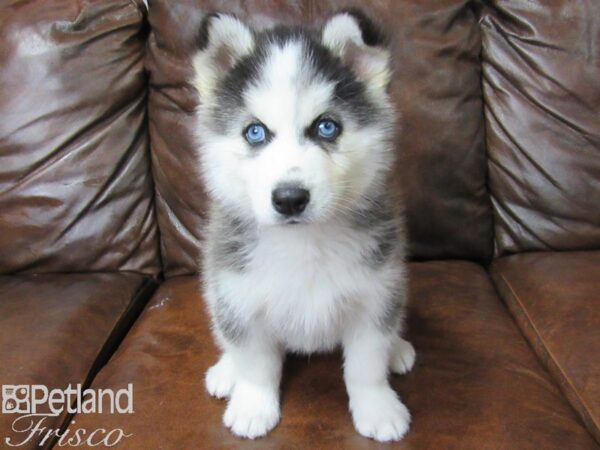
<point x="306" y="283"/>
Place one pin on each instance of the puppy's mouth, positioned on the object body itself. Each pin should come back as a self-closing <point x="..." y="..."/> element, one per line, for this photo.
<point x="293" y="221"/>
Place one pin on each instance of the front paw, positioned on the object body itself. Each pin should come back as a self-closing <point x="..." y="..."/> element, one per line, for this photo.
<point x="252" y="411"/>
<point x="220" y="378"/>
<point x="403" y="357"/>
<point x="379" y="414"/>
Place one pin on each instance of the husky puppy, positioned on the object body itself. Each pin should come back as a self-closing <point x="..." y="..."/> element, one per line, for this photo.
<point x="304" y="243"/>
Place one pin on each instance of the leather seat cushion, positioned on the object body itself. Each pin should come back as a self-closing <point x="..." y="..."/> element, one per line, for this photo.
<point x="475" y="382"/>
<point x="555" y="298"/>
<point x="58" y="329"/>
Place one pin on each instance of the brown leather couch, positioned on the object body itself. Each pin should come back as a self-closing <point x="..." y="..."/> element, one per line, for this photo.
<point x="101" y="213"/>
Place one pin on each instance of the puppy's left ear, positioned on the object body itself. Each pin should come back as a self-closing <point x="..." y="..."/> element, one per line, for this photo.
<point x="355" y="39"/>
<point x="223" y="40"/>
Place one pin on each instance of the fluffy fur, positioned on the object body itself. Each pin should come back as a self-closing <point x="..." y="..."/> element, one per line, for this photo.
<point x="332" y="275"/>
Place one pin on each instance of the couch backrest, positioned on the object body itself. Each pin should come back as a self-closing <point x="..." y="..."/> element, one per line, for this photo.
<point x="75" y="182"/>
<point x="541" y="66"/>
<point x="437" y="90"/>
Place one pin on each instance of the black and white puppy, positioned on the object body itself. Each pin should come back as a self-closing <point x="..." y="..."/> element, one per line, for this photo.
<point x="304" y="247"/>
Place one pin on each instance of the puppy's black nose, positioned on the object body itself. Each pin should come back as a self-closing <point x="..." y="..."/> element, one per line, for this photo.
<point x="290" y="201"/>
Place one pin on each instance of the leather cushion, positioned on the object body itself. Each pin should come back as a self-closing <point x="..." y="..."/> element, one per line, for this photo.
<point x="75" y="181"/>
<point x="555" y="298"/>
<point x="541" y="66"/>
<point x="58" y="329"/>
<point x="436" y="87"/>
<point x="476" y="383"/>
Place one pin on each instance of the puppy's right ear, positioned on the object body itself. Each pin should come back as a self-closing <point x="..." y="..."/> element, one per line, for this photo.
<point x="223" y="41"/>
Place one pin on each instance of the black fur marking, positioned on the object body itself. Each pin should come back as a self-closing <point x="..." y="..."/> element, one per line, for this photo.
<point x="232" y="251"/>
<point x="386" y="239"/>
<point x="202" y="37"/>
<point x="395" y="312"/>
<point x="247" y="70"/>
<point x="232" y="328"/>
<point x="378" y="219"/>
<point x="372" y="35"/>
<point x="231" y="89"/>
<point x="373" y="215"/>
<point x="349" y="94"/>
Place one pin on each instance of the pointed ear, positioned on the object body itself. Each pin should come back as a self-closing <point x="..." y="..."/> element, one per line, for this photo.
<point x="356" y="40"/>
<point x="223" y="41"/>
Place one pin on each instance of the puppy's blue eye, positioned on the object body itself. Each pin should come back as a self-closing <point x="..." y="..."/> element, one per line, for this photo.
<point x="328" y="129"/>
<point x="256" y="134"/>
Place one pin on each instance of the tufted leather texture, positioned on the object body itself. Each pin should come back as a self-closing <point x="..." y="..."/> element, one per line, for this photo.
<point x="476" y="384"/>
<point x="437" y="94"/>
<point x="75" y="182"/>
<point x="555" y="298"/>
<point x="541" y="65"/>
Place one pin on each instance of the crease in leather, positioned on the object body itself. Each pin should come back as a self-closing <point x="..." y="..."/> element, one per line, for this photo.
<point x="512" y="138"/>
<point x="152" y="216"/>
<point x="117" y="170"/>
<point x="122" y="325"/>
<point x="177" y="223"/>
<point x="76" y="141"/>
<point x="517" y="220"/>
<point x="142" y="10"/>
<point x="508" y="37"/>
<point x="502" y="211"/>
<point x="148" y="220"/>
<point x="548" y="359"/>
<point x="176" y="196"/>
<point x="121" y="166"/>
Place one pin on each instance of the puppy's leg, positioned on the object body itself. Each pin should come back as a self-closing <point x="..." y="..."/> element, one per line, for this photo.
<point x="403" y="356"/>
<point x="253" y="408"/>
<point x="220" y="378"/>
<point x="376" y="410"/>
